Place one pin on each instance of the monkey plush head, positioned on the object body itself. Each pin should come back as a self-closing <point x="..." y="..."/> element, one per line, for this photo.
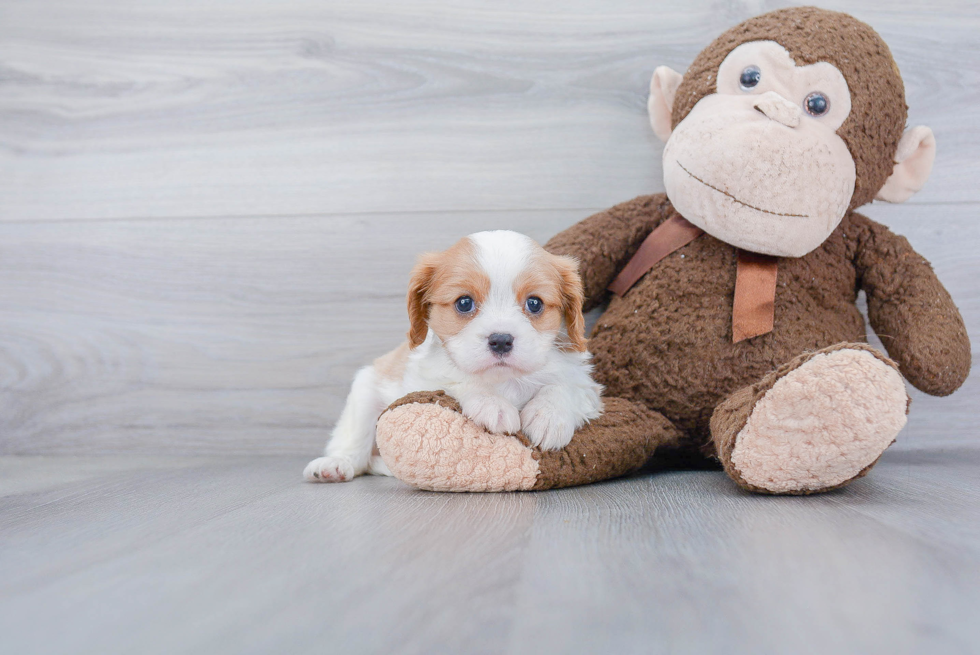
<point x="784" y="124"/>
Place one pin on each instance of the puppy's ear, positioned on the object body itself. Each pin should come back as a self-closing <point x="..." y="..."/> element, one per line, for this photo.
<point x="572" y="299"/>
<point x="418" y="290"/>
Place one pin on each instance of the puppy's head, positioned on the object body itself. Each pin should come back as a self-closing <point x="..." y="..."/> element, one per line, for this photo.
<point x="498" y="302"/>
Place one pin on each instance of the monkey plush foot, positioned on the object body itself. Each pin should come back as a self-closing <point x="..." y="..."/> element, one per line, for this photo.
<point x="813" y="425"/>
<point x="427" y="442"/>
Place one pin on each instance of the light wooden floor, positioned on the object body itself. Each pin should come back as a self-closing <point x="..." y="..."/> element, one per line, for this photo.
<point x="233" y="555"/>
<point x="208" y="210"/>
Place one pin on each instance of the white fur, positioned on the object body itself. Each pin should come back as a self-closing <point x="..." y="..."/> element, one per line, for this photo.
<point x="539" y="388"/>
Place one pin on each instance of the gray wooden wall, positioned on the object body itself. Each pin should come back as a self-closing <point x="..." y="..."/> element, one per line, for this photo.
<point x="208" y="209"/>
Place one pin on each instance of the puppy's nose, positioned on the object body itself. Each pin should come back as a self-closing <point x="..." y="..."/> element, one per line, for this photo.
<point x="501" y="344"/>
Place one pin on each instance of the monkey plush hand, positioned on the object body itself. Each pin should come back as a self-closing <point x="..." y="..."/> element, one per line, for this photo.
<point x="731" y="331"/>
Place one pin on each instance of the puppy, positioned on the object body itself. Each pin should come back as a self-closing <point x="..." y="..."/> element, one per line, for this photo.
<point x="496" y="322"/>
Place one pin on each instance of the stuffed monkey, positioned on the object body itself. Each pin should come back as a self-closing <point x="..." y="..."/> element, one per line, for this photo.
<point x="731" y="331"/>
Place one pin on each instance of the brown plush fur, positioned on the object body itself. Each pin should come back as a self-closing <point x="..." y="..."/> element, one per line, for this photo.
<point x="618" y="442"/>
<point x="878" y="109"/>
<point x="440" y="398"/>
<point x="668" y="344"/>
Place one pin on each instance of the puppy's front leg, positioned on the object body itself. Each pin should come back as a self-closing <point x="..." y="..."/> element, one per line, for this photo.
<point x="489" y="410"/>
<point x="551" y="418"/>
<point x="348" y="452"/>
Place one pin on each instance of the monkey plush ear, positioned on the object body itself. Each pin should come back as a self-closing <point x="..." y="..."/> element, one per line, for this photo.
<point x="663" y="87"/>
<point x="913" y="163"/>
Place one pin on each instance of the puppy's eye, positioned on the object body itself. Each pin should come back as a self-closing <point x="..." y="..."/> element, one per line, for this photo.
<point x="750" y="77"/>
<point x="816" y="104"/>
<point x="464" y="305"/>
<point x="534" y="305"/>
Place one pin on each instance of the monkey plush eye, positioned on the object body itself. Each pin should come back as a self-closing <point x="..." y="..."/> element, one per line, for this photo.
<point x="816" y="104"/>
<point x="749" y="79"/>
<point x="534" y="305"/>
<point x="464" y="305"/>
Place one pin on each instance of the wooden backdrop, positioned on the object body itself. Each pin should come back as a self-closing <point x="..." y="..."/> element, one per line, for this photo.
<point x="208" y="210"/>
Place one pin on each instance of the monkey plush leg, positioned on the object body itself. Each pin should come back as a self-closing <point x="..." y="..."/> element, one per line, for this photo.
<point x="428" y="443"/>
<point x="814" y="424"/>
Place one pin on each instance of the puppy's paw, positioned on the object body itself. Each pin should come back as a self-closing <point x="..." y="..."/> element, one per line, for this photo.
<point x="546" y="424"/>
<point x="493" y="413"/>
<point x="329" y="469"/>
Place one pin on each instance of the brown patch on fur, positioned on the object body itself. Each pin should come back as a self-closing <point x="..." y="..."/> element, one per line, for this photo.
<point x="391" y="366"/>
<point x="437" y="281"/>
<point x="540" y="279"/>
<point x="418" y="307"/>
<point x="445" y="321"/>
<point x="573" y="299"/>
<point x="555" y="280"/>
<point x="878" y="111"/>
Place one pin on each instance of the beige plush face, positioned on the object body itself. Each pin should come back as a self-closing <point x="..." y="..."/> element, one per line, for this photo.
<point x="759" y="163"/>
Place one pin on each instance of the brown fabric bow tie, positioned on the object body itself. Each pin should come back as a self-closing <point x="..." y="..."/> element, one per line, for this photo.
<point x="755" y="276"/>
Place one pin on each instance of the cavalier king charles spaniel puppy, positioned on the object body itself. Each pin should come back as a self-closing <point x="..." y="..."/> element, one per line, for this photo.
<point x="496" y="323"/>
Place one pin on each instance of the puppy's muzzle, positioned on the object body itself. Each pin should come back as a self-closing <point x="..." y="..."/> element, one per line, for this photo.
<point x="500" y="344"/>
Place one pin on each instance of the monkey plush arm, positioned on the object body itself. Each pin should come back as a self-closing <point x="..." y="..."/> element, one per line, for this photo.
<point x="603" y="243"/>
<point x="911" y="311"/>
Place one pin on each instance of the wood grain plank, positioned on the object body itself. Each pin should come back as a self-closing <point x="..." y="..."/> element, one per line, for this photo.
<point x="242" y="335"/>
<point x="707" y="568"/>
<point x="296" y="568"/>
<point x="260" y="107"/>
<point x="120" y="506"/>
<point x="237" y="555"/>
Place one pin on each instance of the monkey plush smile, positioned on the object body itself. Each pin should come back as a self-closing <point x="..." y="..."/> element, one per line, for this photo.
<point x="758" y="209"/>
